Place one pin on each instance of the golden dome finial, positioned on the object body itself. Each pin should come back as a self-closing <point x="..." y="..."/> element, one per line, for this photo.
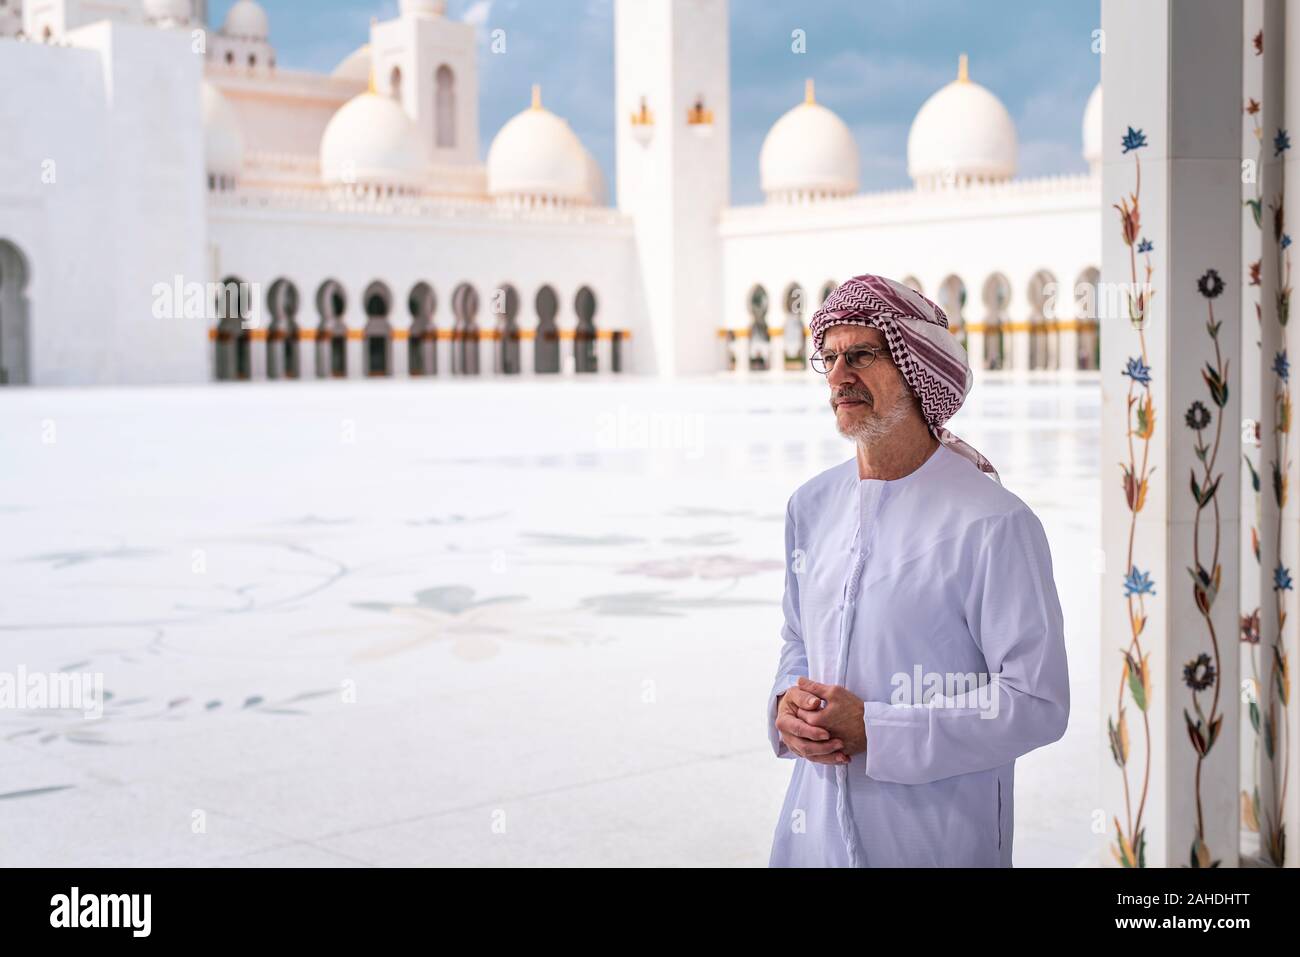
<point x="963" y="69"/>
<point x="808" y="96"/>
<point x="537" y="96"/>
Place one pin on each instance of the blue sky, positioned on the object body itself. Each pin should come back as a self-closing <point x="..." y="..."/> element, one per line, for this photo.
<point x="874" y="61"/>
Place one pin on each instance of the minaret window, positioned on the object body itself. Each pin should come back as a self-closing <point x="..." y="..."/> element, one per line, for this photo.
<point x="445" y="108"/>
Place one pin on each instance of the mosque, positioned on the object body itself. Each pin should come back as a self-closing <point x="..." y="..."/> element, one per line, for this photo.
<point x="176" y="208"/>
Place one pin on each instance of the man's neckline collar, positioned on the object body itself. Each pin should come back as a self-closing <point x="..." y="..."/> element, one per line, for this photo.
<point x="928" y="464"/>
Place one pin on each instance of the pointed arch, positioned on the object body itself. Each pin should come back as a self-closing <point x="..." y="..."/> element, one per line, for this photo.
<point x="282" y="334"/>
<point x="952" y="300"/>
<point x="584" y="336"/>
<point x="15" y="316"/>
<point x="760" y="339"/>
<point x="464" y="308"/>
<point x="332" y="332"/>
<point x="377" y="301"/>
<point x="1043" y="334"/>
<point x="234" y="360"/>
<point x="1086" y="290"/>
<point x="422" y="340"/>
<point x="444" y="108"/>
<point x="794" y="343"/>
<point x="996" y="297"/>
<point x="546" y="347"/>
<point x="505" y="306"/>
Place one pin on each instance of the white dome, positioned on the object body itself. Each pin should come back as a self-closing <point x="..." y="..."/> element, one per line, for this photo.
<point x="223" y="140"/>
<point x="596" y="189"/>
<point x="1092" y="128"/>
<point x="808" y="152"/>
<point x="423" y="8"/>
<point x="961" y="134"/>
<point x="247" y="20"/>
<point x="371" y="141"/>
<point x="536" y="155"/>
<point x="355" y="66"/>
<point x="167" y="12"/>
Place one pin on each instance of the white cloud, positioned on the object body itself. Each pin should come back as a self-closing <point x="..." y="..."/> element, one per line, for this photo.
<point x="477" y="14"/>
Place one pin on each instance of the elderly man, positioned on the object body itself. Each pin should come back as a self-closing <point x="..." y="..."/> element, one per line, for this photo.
<point x="923" y="637"/>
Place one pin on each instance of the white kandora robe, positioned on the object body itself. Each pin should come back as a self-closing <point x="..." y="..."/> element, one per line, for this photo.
<point x="940" y="572"/>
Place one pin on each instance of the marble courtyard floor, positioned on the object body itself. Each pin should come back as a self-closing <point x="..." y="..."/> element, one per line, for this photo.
<point x="451" y="622"/>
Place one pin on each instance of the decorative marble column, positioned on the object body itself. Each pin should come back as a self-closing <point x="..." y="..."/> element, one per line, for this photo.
<point x="1268" y="624"/>
<point x="1253" y="157"/>
<point x="1279" y="644"/>
<point x="1170" y="308"/>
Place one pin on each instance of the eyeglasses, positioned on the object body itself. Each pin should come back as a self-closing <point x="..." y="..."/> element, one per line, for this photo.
<point x="858" y="357"/>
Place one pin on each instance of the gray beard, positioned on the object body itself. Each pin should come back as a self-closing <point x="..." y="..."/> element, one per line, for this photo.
<point x="873" y="428"/>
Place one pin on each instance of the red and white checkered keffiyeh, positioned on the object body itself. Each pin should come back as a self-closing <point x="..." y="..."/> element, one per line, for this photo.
<point x="933" y="363"/>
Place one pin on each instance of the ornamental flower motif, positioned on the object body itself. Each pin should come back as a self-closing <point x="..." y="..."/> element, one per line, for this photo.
<point x="1210" y="285"/>
<point x="1281" y="579"/>
<point x="1252" y="106"/>
<point x="1281" y="143"/>
<point x="1130" y="217"/>
<point x="1250" y="628"/>
<point x="1138" y="371"/>
<point x="1281" y="366"/>
<point x="1254" y="273"/>
<point x="1258" y="40"/>
<point x="1286" y="240"/>
<point x="1138" y="582"/>
<point x="1134" y="139"/>
<point x="1199" y="674"/>
<point x="1198" y="416"/>
<point x="476" y="627"/>
<point x="1145" y="246"/>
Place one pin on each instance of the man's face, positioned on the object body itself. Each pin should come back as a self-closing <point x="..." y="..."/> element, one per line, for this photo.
<point x="868" y="402"/>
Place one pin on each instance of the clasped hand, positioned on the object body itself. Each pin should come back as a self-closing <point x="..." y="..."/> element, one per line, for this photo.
<point x="822" y="723"/>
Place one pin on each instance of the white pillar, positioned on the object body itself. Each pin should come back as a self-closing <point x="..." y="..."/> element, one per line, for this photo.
<point x="1063" y="310"/>
<point x="1018" y="346"/>
<point x="257" y="354"/>
<point x="401" y="352"/>
<point x="1279" y="522"/>
<point x="1172" y="159"/>
<point x="356" y="355"/>
<point x="975" y="352"/>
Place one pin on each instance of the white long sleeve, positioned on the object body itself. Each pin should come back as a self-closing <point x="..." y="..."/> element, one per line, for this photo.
<point x="794" y="657"/>
<point x="1015" y="618"/>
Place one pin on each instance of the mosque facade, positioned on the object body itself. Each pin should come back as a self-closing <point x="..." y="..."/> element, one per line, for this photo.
<point x="174" y="207"/>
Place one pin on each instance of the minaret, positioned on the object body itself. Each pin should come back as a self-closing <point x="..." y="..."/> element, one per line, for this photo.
<point x="429" y="63"/>
<point x="673" y="138"/>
